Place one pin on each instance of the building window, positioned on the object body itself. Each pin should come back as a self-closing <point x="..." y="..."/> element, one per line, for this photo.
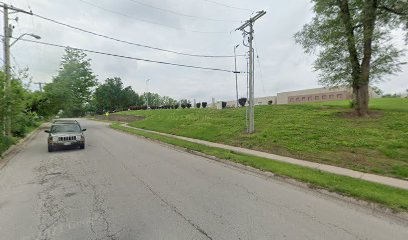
<point x="339" y="96"/>
<point x="303" y="99"/>
<point x="317" y="98"/>
<point x="324" y="97"/>
<point x="297" y="99"/>
<point x="291" y="100"/>
<point x="331" y="96"/>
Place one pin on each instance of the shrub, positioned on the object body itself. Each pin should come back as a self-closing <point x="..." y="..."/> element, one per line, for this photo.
<point x="204" y="104"/>
<point x="5" y="143"/>
<point x="183" y="106"/>
<point x="188" y="105"/>
<point x="242" y="101"/>
<point x="176" y="106"/>
<point x="198" y="105"/>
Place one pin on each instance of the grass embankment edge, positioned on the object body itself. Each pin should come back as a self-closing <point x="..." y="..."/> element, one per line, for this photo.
<point x="393" y="198"/>
<point x="14" y="141"/>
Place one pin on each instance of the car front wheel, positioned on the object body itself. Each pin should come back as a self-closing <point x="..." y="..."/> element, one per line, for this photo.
<point x="50" y="148"/>
<point x="82" y="146"/>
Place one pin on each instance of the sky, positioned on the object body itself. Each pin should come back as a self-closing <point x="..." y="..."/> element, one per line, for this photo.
<point x="280" y="64"/>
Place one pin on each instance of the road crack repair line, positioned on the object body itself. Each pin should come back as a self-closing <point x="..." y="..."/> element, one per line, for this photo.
<point x="100" y="224"/>
<point x="52" y="210"/>
<point x="168" y="204"/>
<point x="100" y="219"/>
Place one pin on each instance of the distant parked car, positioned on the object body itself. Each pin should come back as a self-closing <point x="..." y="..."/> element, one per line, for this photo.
<point x="65" y="135"/>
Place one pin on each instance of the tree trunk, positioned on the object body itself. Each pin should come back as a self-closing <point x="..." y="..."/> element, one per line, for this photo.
<point x="363" y="98"/>
<point x="346" y="18"/>
<point x="370" y="7"/>
<point x="355" y="97"/>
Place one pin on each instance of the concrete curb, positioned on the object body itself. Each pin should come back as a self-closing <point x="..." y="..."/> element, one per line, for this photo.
<point x="14" y="149"/>
<point x="389" y="181"/>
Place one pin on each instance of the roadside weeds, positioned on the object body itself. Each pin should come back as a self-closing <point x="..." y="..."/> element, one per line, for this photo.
<point x="16" y="148"/>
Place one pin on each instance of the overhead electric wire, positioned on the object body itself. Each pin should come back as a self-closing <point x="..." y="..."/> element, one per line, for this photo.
<point x="132" y="43"/>
<point x="147" y="21"/>
<point x="181" y="14"/>
<point x="228" y="6"/>
<point x="126" y="57"/>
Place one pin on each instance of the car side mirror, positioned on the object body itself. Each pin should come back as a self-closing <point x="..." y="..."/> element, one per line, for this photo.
<point x="83" y="130"/>
<point x="47" y="131"/>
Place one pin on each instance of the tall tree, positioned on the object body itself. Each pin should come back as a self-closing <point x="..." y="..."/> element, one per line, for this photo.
<point x="352" y="41"/>
<point x="111" y="96"/>
<point x="71" y="89"/>
<point x="131" y="98"/>
<point x="108" y="96"/>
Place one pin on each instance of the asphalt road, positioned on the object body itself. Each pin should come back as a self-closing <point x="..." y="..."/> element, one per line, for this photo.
<point x="125" y="187"/>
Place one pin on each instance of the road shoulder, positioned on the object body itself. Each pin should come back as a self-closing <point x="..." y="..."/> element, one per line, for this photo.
<point x="378" y="198"/>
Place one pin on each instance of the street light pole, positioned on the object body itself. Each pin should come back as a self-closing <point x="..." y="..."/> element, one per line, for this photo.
<point x="147" y="93"/>
<point x="236" y="76"/>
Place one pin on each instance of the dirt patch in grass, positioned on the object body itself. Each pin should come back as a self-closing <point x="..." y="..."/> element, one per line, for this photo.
<point x="120" y="118"/>
<point x="354" y="115"/>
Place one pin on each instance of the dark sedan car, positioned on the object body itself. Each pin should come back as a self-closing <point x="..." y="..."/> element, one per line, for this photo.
<point x="65" y="135"/>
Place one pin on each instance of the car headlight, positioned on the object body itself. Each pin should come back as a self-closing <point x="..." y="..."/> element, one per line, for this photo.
<point x="78" y="138"/>
<point x="55" y="139"/>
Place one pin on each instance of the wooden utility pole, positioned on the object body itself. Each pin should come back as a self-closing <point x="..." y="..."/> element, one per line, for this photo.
<point x="250" y="23"/>
<point x="7" y="83"/>
<point x="8" y="34"/>
<point x="40" y="84"/>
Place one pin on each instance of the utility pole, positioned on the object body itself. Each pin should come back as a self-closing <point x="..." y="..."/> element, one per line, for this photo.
<point x="40" y="85"/>
<point x="7" y="84"/>
<point x="250" y="23"/>
<point x="8" y="34"/>
<point x="236" y="76"/>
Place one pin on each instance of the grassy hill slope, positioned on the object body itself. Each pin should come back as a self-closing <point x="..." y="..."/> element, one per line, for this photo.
<point x="319" y="132"/>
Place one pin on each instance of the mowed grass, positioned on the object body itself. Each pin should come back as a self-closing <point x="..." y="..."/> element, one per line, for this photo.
<point x="393" y="198"/>
<point x="315" y="132"/>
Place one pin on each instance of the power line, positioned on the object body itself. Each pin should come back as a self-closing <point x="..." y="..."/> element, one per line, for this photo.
<point x="228" y="6"/>
<point x="146" y="21"/>
<point x="132" y="43"/>
<point x="127" y="57"/>
<point x="181" y="14"/>
<point x="259" y="66"/>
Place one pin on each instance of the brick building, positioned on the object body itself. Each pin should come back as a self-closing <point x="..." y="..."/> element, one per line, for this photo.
<point x="304" y="96"/>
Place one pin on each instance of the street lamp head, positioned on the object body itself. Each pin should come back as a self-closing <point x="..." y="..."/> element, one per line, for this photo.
<point x="25" y="34"/>
<point x="35" y="36"/>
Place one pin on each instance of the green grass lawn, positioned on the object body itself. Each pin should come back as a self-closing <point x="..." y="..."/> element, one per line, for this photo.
<point x="314" y="132"/>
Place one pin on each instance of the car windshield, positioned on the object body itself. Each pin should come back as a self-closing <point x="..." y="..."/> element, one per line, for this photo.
<point x="66" y="128"/>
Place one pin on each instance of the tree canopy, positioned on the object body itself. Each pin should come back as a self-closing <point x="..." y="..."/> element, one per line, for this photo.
<point x="353" y="43"/>
<point x="111" y="96"/>
<point x="71" y="89"/>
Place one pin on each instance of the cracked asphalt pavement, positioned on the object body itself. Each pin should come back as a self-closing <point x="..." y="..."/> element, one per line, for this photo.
<point x="125" y="187"/>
